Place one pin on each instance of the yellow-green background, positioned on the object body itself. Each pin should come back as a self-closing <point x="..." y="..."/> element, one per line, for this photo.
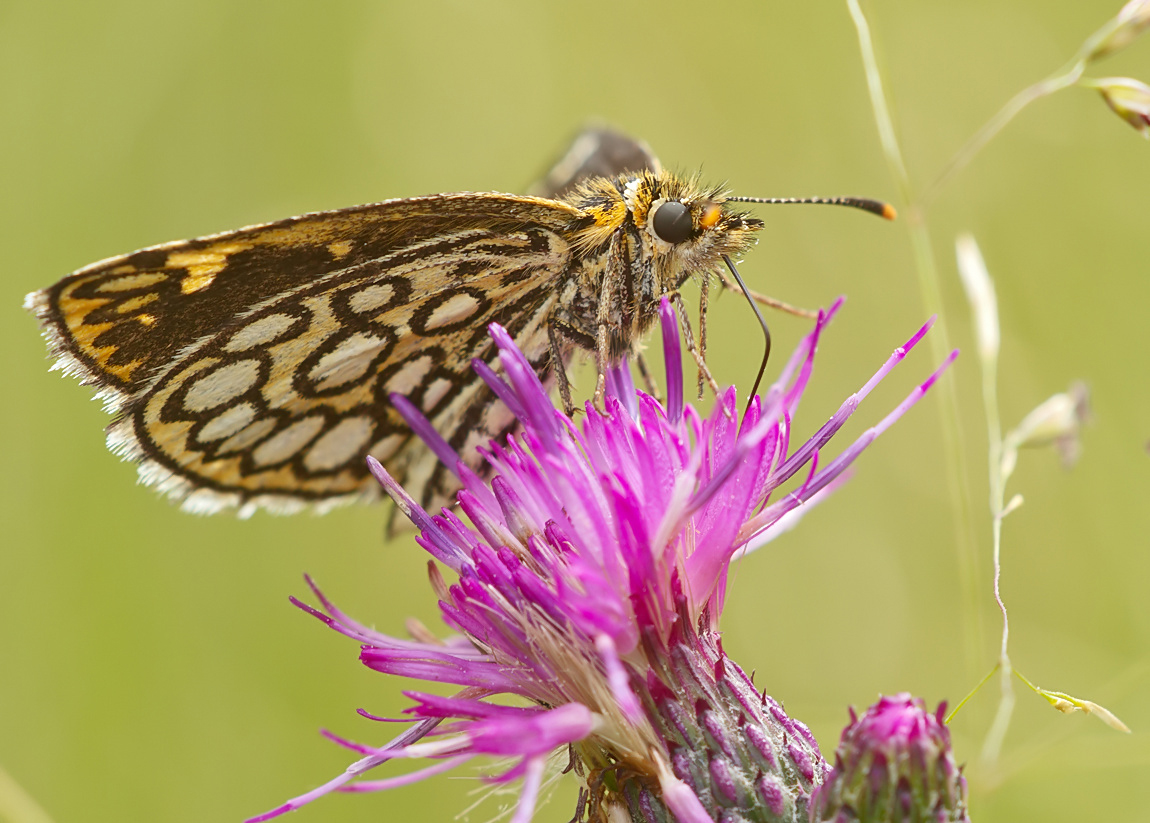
<point x="151" y="667"/>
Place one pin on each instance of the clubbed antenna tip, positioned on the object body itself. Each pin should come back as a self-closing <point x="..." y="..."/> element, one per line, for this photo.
<point x="878" y="207"/>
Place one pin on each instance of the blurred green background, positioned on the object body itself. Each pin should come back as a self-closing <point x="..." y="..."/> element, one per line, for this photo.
<point x="151" y="667"/>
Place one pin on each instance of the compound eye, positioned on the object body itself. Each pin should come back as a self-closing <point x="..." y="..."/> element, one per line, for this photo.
<point x="672" y="222"/>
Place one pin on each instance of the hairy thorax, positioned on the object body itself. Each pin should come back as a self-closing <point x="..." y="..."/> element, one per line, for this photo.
<point x="627" y="254"/>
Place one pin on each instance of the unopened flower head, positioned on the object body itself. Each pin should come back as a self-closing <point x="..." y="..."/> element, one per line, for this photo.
<point x="1131" y="21"/>
<point x="893" y="763"/>
<point x="591" y="570"/>
<point x="1129" y="98"/>
<point x="1056" y="421"/>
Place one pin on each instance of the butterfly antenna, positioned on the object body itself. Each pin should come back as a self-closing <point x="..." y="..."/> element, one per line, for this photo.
<point x="865" y="203"/>
<point x="885" y="210"/>
<point x="762" y="322"/>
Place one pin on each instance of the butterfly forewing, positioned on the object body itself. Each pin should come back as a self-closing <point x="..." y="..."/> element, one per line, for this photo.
<point x="254" y="367"/>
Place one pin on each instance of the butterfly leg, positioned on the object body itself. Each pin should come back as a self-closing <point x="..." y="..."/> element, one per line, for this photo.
<point x="601" y="365"/>
<point x="648" y="380"/>
<point x="689" y="340"/>
<point x="704" y="300"/>
<point x="769" y="301"/>
<point x="557" y="332"/>
<point x="606" y="310"/>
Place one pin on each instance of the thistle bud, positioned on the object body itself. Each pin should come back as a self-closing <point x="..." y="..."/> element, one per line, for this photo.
<point x="893" y="765"/>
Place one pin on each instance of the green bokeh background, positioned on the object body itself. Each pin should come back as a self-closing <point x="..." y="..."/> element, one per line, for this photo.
<point x="151" y="667"/>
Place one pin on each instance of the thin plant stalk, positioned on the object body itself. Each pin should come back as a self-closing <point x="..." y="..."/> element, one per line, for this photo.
<point x="984" y="310"/>
<point x="928" y="282"/>
<point x="1112" y="36"/>
<point x="1128" y="24"/>
<point x="1067" y="76"/>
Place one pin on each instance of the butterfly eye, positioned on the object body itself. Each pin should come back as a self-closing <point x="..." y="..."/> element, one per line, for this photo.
<point x="672" y="222"/>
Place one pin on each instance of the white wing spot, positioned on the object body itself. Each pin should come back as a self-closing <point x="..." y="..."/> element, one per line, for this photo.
<point x="410" y="375"/>
<point x="284" y="444"/>
<point x="347" y="361"/>
<point x="495" y="419"/>
<point x="224" y="384"/>
<point x="385" y="448"/>
<point x="454" y="309"/>
<point x="339" y="444"/>
<point x="244" y="439"/>
<point x="227" y="423"/>
<point x="259" y="332"/>
<point x="370" y="298"/>
<point x="435" y="392"/>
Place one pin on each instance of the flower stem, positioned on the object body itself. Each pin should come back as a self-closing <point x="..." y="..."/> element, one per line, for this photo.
<point x="1068" y="75"/>
<point x="993" y="743"/>
<point x="932" y="300"/>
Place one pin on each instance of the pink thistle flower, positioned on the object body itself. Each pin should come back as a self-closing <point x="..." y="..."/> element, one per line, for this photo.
<point x="591" y="574"/>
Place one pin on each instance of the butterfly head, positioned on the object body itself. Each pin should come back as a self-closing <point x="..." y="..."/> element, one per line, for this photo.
<point x="680" y="225"/>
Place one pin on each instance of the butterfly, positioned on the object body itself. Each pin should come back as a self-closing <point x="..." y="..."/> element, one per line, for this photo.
<point x="256" y="368"/>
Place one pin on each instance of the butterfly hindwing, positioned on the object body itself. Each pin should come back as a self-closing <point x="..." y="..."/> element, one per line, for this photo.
<point x="254" y="367"/>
